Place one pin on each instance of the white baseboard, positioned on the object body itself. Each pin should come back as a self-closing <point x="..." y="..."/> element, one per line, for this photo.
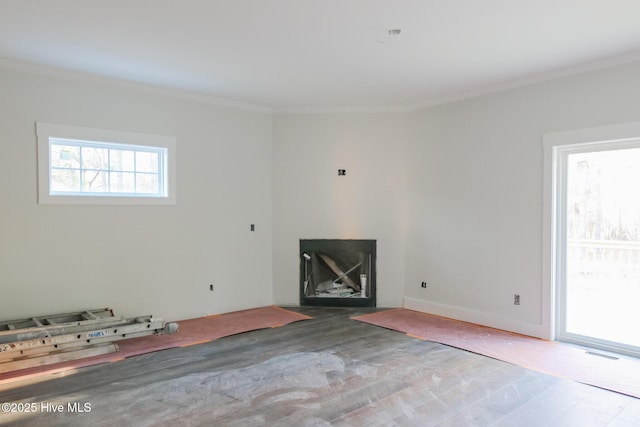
<point x="477" y="317"/>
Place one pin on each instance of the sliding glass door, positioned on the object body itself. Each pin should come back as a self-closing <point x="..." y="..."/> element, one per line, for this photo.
<point x="598" y="245"/>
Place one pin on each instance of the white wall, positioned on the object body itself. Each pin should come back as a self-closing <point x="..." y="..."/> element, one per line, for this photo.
<point x="475" y="190"/>
<point x="136" y="259"/>
<point x="452" y="194"/>
<point x="311" y="201"/>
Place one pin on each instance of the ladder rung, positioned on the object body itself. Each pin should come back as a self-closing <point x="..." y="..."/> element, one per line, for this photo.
<point x="89" y="315"/>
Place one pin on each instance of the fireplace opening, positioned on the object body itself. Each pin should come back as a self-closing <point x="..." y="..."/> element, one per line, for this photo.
<point x="336" y="272"/>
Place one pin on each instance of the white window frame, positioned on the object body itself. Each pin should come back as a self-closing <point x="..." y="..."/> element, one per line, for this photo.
<point x="83" y="136"/>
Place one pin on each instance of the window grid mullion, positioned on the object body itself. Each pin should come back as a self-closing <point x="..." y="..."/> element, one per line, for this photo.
<point x="109" y="170"/>
<point x="81" y="171"/>
<point x="160" y="175"/>
<point x="135" y="172"/>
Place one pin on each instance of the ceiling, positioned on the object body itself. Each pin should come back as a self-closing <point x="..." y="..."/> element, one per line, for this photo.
<point x="293" y="55"/>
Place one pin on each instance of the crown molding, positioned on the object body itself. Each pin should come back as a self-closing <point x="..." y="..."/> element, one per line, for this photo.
<point x="476" y="92"/>
<point x="531" y="80"/>
<point x="363" y="109"/>
<point x="67" y="74"/>
<point x="222" y="102"/>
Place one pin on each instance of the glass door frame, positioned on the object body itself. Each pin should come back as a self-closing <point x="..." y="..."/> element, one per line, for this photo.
<point x="558" y="146"/>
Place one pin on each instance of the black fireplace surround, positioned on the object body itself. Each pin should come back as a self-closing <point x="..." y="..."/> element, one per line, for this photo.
<point x="333" y="272"/>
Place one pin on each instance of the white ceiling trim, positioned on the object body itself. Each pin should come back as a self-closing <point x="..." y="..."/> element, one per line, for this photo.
<point x="538" y="78"/>
<point x="127" y="84"/>
<point x="344" y="109"/>
<point x="208" y="99"/>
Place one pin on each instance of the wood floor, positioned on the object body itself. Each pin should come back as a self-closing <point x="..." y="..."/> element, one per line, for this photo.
<point x="328" y="371"/>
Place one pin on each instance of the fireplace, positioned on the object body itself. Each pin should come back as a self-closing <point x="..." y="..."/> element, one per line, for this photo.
<point x="337" y="272"/>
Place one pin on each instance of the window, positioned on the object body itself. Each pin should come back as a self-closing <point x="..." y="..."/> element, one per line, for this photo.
<point x="79" y="168"/>
<point x="97" y="166"/>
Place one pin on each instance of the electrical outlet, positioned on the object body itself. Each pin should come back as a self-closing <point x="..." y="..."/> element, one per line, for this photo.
<point x="211" y="287"/>
<point x="424" y="285"/>
<point x="516" y="299"/>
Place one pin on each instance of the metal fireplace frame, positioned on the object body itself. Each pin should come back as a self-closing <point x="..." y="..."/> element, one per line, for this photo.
<point x="339" y="245"/>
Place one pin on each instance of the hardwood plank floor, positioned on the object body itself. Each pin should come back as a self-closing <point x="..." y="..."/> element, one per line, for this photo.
<point x="328" y="371"/>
